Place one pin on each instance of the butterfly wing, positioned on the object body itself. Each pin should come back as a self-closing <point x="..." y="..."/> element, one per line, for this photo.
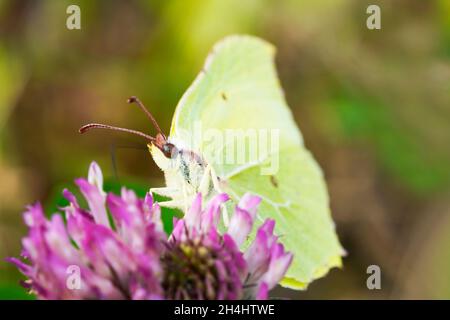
<point x="238" y="89"/>
<point x="296" y="197"/>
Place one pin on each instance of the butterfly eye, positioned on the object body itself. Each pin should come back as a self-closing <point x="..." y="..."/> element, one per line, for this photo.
<point x="169" y="150"/>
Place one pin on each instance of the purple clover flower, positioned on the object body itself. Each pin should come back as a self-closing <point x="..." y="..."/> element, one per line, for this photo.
<point x="119" y="250"/>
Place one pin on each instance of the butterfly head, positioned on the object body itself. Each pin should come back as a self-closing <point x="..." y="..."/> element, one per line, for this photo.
<point x="163" y="152"/>
<point x="169" y="150"/>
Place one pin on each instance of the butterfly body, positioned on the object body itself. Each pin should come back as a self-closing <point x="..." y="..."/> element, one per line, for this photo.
<point x="186" y="173"/>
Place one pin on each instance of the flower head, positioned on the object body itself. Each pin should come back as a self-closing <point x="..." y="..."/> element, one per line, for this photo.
<point x="118" y="249"/>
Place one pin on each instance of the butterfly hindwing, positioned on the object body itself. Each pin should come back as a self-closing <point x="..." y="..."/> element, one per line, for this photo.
<point x="296" y="197"/>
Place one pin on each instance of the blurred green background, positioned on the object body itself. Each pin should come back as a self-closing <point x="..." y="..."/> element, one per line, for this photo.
<point x="373" y="105"/>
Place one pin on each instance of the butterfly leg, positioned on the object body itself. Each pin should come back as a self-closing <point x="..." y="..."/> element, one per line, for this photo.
<point x="204" y="182"/>
<point x="216" y="185"/>
<point x="185" y="199"/>
<point x="215" y="181"/>
<point x="208" y="176"/>
<point x="172" y="204"/>
<point x="171" y="193"/>
<point x="165" y="191"/>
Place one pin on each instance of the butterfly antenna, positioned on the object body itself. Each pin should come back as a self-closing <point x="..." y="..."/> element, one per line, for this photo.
<point x="90" y="126"/>
<point x="136" y="100"/>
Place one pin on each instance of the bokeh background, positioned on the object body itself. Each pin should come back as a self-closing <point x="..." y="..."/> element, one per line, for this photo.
<point x="373" y="105"/>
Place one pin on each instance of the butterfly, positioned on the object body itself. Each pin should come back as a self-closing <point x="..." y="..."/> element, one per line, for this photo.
<point x="238" y="91"/>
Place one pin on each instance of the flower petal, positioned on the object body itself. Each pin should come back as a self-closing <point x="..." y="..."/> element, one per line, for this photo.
<point x="210" y="217"/>
<point x="250" y="203"/>
<point x="193" y="216"/>
<point x="262" y="292"/>
<point x="279" y="264"/>
<point x="34" y="216"/>
<point x="96" y="201"/>
<point x="95" y="176"/>
<point x="240" y="225"/>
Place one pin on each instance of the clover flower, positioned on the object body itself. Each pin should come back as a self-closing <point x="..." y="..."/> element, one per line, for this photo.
<point x="118" y="249"/>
